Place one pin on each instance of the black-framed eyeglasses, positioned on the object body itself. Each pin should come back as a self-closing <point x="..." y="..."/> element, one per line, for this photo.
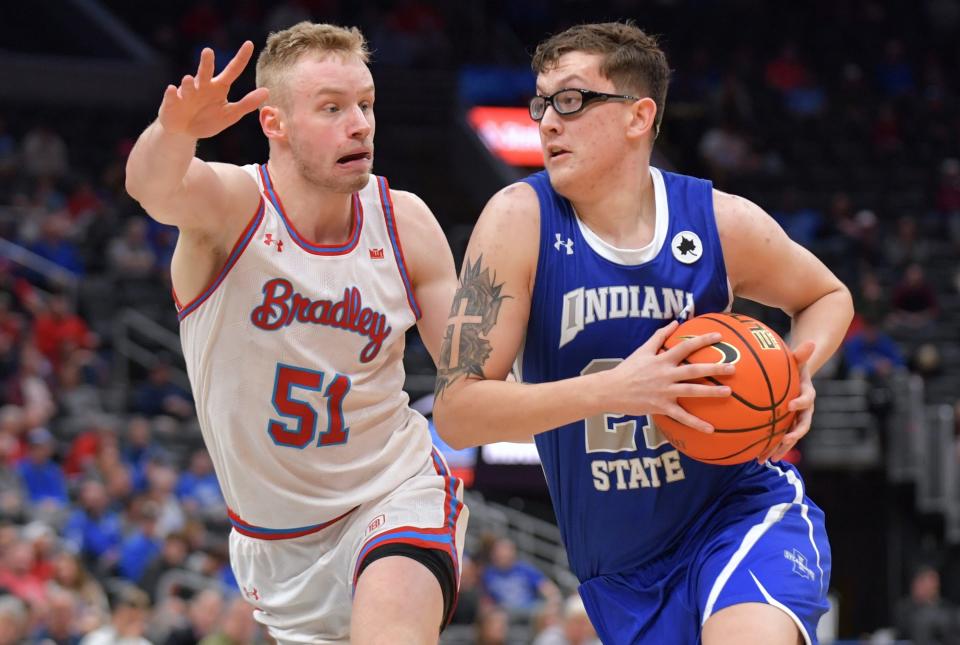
<point x="570" y="100"/>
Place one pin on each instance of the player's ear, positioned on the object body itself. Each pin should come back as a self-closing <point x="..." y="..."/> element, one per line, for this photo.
<point x="643" y="117"/>
<point x="272" y="122"/>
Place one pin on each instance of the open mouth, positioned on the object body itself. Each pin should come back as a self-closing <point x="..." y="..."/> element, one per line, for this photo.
<point x="357" y="156"/>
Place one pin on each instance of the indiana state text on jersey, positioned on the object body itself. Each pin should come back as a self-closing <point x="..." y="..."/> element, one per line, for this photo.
<point x="582" y="307"/>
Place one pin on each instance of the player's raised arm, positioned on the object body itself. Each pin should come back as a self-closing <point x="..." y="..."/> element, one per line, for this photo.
<point x="163" y="174"/>
<point x="485" y="331"/>
<point x="765" y="265"/>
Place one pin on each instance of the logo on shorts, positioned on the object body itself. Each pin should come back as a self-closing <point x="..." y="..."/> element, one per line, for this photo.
<point x="251" y="593"/>
<point x="376" y="523"/>
<point x="799" y="564"/>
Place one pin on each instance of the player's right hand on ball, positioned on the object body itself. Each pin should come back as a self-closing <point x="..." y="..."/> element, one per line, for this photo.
<point x="199" y="106"/>
<point x="650" y="383"/>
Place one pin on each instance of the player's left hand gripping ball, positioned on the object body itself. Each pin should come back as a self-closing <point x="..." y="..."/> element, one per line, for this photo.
<point x="803" y="405"/>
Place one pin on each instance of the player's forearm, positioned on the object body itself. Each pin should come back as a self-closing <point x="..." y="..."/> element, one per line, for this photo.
<point x="477" y="412"/>
<point x="825" y="322"/>
<point x="158" y="163"/>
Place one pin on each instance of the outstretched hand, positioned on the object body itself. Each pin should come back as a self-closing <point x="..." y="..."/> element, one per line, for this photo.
<point x="648" y="382"/>
<point x="803" y="405"/>
<point x="199" y="106"/>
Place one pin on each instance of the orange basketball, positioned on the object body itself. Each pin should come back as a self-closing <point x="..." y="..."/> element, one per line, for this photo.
<point x="755" y="415"/>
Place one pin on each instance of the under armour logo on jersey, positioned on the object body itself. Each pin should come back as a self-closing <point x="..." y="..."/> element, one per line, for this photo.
<point x="268" y="240"/>
<point x="568" y="244"/>
<point x="686" y="247"/>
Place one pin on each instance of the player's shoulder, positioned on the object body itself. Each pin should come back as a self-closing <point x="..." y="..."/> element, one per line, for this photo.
<point x="410" y="209"/>
<point x="513" y="211"/>
<point x="734" y="212"/>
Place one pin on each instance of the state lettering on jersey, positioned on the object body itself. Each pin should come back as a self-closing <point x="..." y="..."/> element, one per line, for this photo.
<point x="637" y="472"/>
<point x="282" y="305"/>
<point x="582" y="307"/>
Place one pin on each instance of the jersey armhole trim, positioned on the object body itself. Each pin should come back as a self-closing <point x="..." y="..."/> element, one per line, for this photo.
<point x="387" y="202"/>
<point x="235" y="254"/>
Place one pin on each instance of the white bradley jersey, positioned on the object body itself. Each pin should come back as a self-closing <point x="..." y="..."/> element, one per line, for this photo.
<point x="295" y="358"/>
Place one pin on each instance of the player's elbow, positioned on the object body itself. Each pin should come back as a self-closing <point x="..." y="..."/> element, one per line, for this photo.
<point x="451" y="426"/>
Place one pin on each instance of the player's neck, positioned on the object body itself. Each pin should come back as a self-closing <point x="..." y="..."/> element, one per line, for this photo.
<point x="322" y="216"/>
<point x="623" y="211"/>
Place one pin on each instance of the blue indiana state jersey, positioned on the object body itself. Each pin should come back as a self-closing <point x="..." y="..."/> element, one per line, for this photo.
<point x="623" y="495"/>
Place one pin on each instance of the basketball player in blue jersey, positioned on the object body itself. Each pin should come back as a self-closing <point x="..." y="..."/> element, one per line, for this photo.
<point x="295" y="282"/>
<point x="575" y="276"/>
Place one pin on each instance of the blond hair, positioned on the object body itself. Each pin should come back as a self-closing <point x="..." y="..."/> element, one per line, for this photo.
<point x="284" y="49"/>
<point x="631" y="58"/>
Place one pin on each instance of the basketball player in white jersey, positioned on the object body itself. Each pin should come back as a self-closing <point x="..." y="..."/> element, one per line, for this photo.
<point x="295" y="281"/>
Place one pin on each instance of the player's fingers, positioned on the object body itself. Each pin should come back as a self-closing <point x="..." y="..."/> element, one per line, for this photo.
<point x="170" y="94"/>
<point x="785" y="446"/>
<point x="187" y="87"/>
<point x="804" y="352"/>
<point x="656" y="341"/>
<point x="684" y="348"/>
<point x="250" y="102"/>
<point x="680" y="415"/>
<point x="696" y="390"/>
<point x="235" y="67"/>
<point x="205" y="69"/>
<point x="802" y="402"/>
<point x="703" y="370"/>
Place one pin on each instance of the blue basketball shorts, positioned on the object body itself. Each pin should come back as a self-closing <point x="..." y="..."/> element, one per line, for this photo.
<point x="765" y="547"/>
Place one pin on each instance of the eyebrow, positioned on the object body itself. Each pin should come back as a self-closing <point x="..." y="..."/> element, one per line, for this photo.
<point x="341" y="92"/>
<point x="565" y="82"/>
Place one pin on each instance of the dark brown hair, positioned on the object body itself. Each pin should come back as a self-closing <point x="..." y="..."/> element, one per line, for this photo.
<point x="632" y="59"/>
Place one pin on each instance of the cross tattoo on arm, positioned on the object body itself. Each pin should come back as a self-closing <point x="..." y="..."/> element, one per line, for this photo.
<point x="473" y="315"/>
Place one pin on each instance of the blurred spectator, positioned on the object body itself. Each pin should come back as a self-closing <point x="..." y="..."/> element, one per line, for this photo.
<point x="161" y="484"/>
<point x="894" y="74"/>
<point x="58" y="326"/>
<point x="59" y="620"/>
<point x="801" y="222"/>
<point x="198" y="490"/>
<point x="515" y="585"/>
<point x="12" y="494"/>
<point x="237" y="627"/>
<point x="54" y="245"/>
<point x="172" y="556"/>
<point x="41" y="538"/>
<point x="41" y="475"/>
<point x="470" y="596"/>
<point x="786" y="72"/>
<point x="18" y="576"/>
<point x="948" y="197"/>
<point x="13" y="620"/>
<point x="142" y="544"/>
<point x="575" y="629"/>
<point x="906" y="246"/>
<point x="493" y="625"/>
<point x="70" y="575"/>
<point x="924" y="617"/>
<point x="160" y="395"/>
<point x="205" y="610"/>
<point x="44" y="153"/>
<point x="128" y="622"/>
<point x="871" y="352"/>
<point x="726" y="151"/>
<point x="28" y="388"/>
<point x="94" y="530"/>
<point x="131" y="257"/>
<point x="914" y="300"/>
